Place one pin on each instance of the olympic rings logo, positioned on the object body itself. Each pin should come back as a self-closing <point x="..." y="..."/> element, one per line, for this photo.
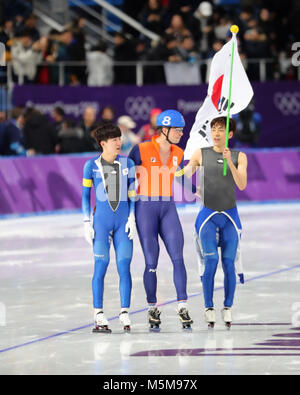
<point x="288" y="103"/>
<point x="139" y="107"/>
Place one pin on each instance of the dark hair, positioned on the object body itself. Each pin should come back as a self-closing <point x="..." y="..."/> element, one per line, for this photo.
<point x="101" y="46"/>
<point x="222" y="121"/>
<point x="16" y="112"/>
<point x="168" y="38"/>
<point x="23" y="33"/>
<point x="31" y="16"/>
<point x="70" y="123"/>
<point x="120" y="34"/>
<point x="59" y="111"/>
<point x="159" y="129"/>
<point x="106" y="131"/>
<point x="108" y="107"/>
<point x="30" y="112"/>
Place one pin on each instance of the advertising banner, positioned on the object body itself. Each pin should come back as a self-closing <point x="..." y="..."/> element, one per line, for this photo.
<point x="38" y="184"/>
<point x="277" y="103"/>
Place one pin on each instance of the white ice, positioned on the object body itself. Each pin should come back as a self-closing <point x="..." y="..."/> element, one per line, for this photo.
<point x="46" y="310"/>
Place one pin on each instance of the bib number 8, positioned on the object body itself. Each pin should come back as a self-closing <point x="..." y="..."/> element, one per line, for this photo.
<point x="166" y="121"/>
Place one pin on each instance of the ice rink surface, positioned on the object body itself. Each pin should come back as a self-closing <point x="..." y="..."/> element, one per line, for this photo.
<point x="46" y="311"/>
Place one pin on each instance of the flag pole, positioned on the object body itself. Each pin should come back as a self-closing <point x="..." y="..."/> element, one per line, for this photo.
<point x="234" y="30"/>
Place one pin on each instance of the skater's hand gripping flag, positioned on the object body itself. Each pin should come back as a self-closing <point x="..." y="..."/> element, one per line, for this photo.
<point x="217" y="99"/>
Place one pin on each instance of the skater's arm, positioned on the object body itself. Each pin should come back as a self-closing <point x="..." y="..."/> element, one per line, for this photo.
<point x="130" y="226"/>
<point x="187" y="172"/>
<point x="193" y="164"/>
<point x="131" y="185"/>
<point x="87" y="183"/>
<point x="186" y="182"/>
<point x="135" y="155"/>
<point x="239" y="173"/>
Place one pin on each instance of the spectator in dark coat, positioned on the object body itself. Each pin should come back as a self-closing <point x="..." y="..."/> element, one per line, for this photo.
<point x="11" y="135"/>
<point x="13" y="8"/>
<point x="58" y="115"/>
<point x="39" y="133"/>
<point x="88" y="121"/>
<point x="30" y="27"/>
<point x="6" y="32"/>
<point x="77" y="51"/>
<point x="70" y="138"/>
<point x="124" y="52"/>
<point x="152" y="17"/>
<point x="88" y="124"/>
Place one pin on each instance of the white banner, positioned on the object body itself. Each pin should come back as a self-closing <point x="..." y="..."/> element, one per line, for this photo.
<point x="182" y="74"/>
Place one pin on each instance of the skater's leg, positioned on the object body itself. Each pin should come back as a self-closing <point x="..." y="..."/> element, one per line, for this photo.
<point x="211" y="258"/>
<point x="229" y="281"/>
<point x="172" y="236"/>
<point x="147" y="226"/>
<point x="101" y="259"/>
<point x="229" y="244"/>
<point x="123" y="247"/>
<point x="151" y="252"/>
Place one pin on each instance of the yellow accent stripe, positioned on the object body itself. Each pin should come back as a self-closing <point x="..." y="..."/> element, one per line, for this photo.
<point x="131" y="194"/>
<point x="179" y="173"/>
<point x="87" y="183"/>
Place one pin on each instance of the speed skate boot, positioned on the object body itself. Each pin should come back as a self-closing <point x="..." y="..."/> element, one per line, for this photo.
<point x="101" y="323"/>
<point x="185" y="318"/>
<point x="154" y="319"/>
<point x="227" y="316"/>
<point x="125" y="321"/>
<point x="210" y="317"/>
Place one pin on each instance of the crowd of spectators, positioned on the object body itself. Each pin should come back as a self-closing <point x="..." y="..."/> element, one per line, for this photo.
<point x="189" y="30"/>
<point x="28" y="132"/>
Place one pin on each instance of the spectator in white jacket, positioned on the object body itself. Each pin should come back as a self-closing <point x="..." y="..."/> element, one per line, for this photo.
<point x="100" y="66"/>
<point x="129" y="138"/>
<point x="25" y="57"/>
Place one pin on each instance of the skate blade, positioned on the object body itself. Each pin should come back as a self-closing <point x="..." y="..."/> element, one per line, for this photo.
<point x="228" y="325"/>
<point x="154" y="329"/>
<point x="126" y="329"/>
<point x="187" y="328"/>
<point x="211" y="325"/>
<point x="101" y="330"/>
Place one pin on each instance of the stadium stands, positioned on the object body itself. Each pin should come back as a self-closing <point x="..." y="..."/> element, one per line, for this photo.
<point x="188" y="31"/>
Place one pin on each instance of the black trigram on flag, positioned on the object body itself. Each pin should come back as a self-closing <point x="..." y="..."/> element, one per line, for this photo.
<point x="203" y="129"/>
<point x="223" y="105"/>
